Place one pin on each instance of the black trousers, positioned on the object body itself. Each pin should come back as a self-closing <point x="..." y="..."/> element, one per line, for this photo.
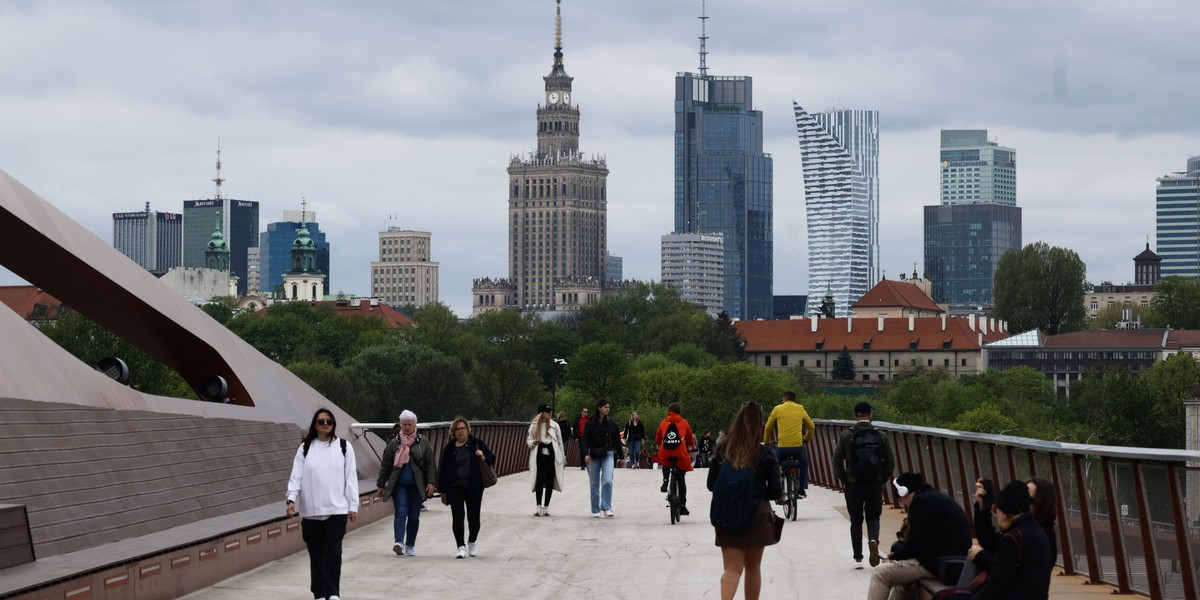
<point x="463" y="505"/>
<point x="680" y="475"/>
<point x="545" y="474"/>
<point x="324" y="542"/>
<point x="863" y="500"/>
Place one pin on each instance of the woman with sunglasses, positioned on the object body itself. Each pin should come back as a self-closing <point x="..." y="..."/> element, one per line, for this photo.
<point x="461" y="483"/>
<point x="323" y="491"/>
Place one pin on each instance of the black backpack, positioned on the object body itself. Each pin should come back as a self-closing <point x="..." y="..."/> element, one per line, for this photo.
<point x="734" y="503"/>
<point x="672" y="439"/>
<point x="342" y="440"/>
<point x="866" y="454"/>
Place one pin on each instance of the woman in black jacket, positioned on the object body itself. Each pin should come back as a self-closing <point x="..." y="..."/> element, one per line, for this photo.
<point x="600" y="448"/>
<point x="1021" y="563"/>
<point x="461" y="484"/>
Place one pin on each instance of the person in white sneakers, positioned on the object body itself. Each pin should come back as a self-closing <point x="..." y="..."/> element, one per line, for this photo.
<point x="461" y="483"/>
<point x="546" y="459"/>
<point x="406" y="475"/>
<point x="323" y="491"/>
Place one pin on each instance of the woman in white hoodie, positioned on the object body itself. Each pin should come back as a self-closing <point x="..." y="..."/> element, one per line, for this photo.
<point x="323" y="491"/>
<point x="546" y="458"/>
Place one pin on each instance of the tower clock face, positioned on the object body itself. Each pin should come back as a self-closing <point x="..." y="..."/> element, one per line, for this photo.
<point x="566" y="98"/>
<point x="553" y="97"/>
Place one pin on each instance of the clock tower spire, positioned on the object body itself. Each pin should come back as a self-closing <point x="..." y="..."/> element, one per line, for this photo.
<point x="558" y="119"/>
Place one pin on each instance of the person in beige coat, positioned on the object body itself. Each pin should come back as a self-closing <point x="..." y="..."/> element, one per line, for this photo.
<point x="546" y="458"/>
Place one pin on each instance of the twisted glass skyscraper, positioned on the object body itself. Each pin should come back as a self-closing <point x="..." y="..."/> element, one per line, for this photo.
<point x="723" y="183"/>
<point x="840" y="150"/>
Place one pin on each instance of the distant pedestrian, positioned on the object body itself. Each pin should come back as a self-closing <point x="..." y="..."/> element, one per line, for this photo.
<point x="704" y="449"/>
<point x="635" y="432"/>
<point x="568" y="432"/>
<point x="407" y="473"/>
<point x="546" y="459"/>
<point x="579" y="426"/>
<point x="863" y="461"/>
<point x="741" y="458"/>
<point x="323" y="491"/>
<point x="461" y="484"/>
<point x="601" y="447"/>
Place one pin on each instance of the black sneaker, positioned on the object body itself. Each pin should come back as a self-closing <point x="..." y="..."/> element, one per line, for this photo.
<point x="683" y="511"/>
<point x="663" y="489"/>
<point x="874" y="558"/>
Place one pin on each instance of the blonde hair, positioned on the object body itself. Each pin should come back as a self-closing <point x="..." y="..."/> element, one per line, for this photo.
<point x="539" y="426"/>
<point x="742" y="445"/>
<point x="456" y="421"/>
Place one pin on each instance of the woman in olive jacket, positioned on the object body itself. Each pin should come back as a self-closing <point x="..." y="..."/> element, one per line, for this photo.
<point x="406" y="475"/>
<point x="461" y="483"/>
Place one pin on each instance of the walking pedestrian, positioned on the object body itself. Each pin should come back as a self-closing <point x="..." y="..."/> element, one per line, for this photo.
<point x="863" y="461"/>
<point x="635" y="432"/>
<point x="461" y="484"/>
<point x="546" y="458"/>
<point x="406" y="475"/>
<point x="601" y="447"/>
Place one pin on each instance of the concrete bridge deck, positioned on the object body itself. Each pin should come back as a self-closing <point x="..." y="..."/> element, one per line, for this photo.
<point x="636" y="554"/>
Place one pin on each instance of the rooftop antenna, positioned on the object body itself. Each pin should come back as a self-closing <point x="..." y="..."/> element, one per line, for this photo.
<point x="703" y="39"/>
<point x="218" y="179"/>
<point x="558" y="25"/>
<point x="303" y="210"/>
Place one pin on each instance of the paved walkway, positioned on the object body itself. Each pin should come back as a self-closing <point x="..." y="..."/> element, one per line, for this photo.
<point x="637" y="554"/>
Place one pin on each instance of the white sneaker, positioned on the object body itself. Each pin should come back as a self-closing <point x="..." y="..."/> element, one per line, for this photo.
<point x="398" y="549"/>
<point x="462" y="552"/>
<point x="858" y="565"/>
<point x="609" y="513"/>
<point x="334" y="598"/>
<point x="472" y="549"/>
<point x="410" y="551"/>
<point x="545" y="511"/>
<point x="597" y="515"/>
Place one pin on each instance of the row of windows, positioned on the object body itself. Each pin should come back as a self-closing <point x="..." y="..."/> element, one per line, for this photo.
<point x="783" y="362"/>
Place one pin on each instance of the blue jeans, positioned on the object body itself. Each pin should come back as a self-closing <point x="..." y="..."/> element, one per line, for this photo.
<point x="407" y="504"/>
<point x="800" y="453"/>
<point x="634" y="455"/>
<point x="600" y="482"/>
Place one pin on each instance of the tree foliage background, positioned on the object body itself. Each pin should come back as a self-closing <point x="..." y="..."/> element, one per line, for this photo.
<point x="1041" y="287"/>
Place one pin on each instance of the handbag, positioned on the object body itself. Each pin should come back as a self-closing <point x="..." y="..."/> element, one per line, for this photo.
<point x="486" y="473"/>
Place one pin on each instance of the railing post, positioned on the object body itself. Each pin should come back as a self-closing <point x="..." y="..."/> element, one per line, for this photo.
<point x="1181" y="533"/>
<point x="1148" y="553"/>
<point x="967" y="485"/>
<point x="1114" y="525"/>
<point x="1060" y="506"/>
<point x="1085" y="520"/>
<point x="1012" y="466"/>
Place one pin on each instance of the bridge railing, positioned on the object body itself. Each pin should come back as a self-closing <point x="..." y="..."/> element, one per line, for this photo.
<point x="1127" y="517"/>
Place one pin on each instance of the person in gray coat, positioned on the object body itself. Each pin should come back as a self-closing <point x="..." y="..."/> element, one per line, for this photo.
<point x="406" y="475"/>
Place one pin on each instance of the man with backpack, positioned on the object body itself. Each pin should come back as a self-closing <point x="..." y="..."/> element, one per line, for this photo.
<point x="863" y="461"/>
<point x="674" y="437"/>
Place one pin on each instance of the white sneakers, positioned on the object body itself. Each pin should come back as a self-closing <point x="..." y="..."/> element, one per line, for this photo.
<point x="609" y="513"/>
<point x="462" y="552"/>
<point x="597" y="515"/>
<point x="398" y="548"/>
<point x="410" y="551"/>
<point x="542" y="511"/>
<point x="857" y="565"/>
<point x="472" y="549"/>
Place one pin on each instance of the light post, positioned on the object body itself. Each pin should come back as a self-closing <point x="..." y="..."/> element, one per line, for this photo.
<point x="554" y="384"/>
<point x="1063" y="436"/>
<point x="1005" y="432"/>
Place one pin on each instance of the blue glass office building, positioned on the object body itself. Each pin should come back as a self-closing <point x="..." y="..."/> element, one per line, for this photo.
<point x="1177" y="212"/>
<point x="723" y="183"/>
<point x="963" y="246"/>
<point x="275" y="253"/>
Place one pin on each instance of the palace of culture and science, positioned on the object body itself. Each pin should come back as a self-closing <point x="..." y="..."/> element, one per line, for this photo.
<point x="557" y="213"/>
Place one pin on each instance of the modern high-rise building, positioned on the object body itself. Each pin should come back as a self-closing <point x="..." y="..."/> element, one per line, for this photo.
<point x="724" y="181"/>
<point x="557" y="202"/>
<point x="238" y="219"/>
<point x="404" y="274"/>
<point x="977" y="222"/>
<point x="275" y="249"/>
<point x="695" y="263"/>
<point x="1177" y="212"/>
<point x="840" y="150"/>
<point x="614" y="267"/>
<point x="153" y="240"/>
<point x="977" y="170"/>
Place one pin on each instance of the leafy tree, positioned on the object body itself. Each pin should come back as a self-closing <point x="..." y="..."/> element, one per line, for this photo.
<point x="985" y="418"/>
<point x="1176" y="303"/>
<point x="508" y="387"/>
<point x="600" y="371"/>
<point x="843" y="366"/>
<point x="1041" y="287"/>
<point x="347" y="392"/>
<point x="1109" y="316"/>
<point x="436" y="328"/>
<point x="410" y="376"/>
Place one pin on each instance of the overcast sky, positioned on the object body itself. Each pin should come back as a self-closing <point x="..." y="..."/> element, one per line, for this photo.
<point x="373" y="108"/>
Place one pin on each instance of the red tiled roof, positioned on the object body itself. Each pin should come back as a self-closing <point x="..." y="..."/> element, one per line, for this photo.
<point x="23" y="298"/>
<point x="797" y="335"/>
<point x="394" y="318"/>
<point x="890" y="294"/>
<point x="1183" y="338"/>
<point x="1108" y="338"/>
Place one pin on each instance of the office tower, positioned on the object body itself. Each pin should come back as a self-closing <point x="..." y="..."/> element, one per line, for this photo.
<point x="723" y="181"/>
<point x="614" y="267"/>
<point x="1177" y="208"/>
<point x="238" y="219"/>
<point x="253" y="271"/>
<point x="840" y="150"/>
<point x="153" y="240"/>
<point x="977" y="170"/>
<point x="275" y="249"/>
<point x="404" y="274"/>
<point x="557" y="201"/>
<point x="695" y="263"/>
<point x="977" y="221"/>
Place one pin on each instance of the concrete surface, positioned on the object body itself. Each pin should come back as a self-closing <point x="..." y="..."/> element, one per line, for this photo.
<point x="636" y="554"/>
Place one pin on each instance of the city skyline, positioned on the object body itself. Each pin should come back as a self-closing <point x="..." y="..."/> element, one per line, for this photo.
<point x="375" y="110"/>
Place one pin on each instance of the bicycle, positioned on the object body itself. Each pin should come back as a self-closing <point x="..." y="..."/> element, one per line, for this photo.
<point x="673" y="500"/>
<point x="791" y="487"/>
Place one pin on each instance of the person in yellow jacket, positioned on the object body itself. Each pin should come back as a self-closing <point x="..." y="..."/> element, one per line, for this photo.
<point x="790" y="426"/>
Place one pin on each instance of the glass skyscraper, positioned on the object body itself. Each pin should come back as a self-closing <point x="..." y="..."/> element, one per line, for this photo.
<point x="977" y="221"/>
<point x="239" y="222"/>
<point x="1177" y="208"/>
<point x="723" y="184"/>
<point x="153" y="240"/>
<point x="275" y="252"/>
<point x="840" y="150"/>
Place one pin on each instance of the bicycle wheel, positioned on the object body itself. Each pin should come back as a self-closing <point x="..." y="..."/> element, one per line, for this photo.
<point x="788" y="483"/>
<point x="673" y="497"/>
<point x="794" y="484"/>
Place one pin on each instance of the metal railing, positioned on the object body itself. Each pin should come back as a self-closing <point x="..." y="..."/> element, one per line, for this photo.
<point x="1127" y="517"/>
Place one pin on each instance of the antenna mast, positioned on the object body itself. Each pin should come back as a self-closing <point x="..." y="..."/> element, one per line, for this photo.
<point x="218" y="179"/>
<point x="703" y="39"/>
<point x="558" y="25"/>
